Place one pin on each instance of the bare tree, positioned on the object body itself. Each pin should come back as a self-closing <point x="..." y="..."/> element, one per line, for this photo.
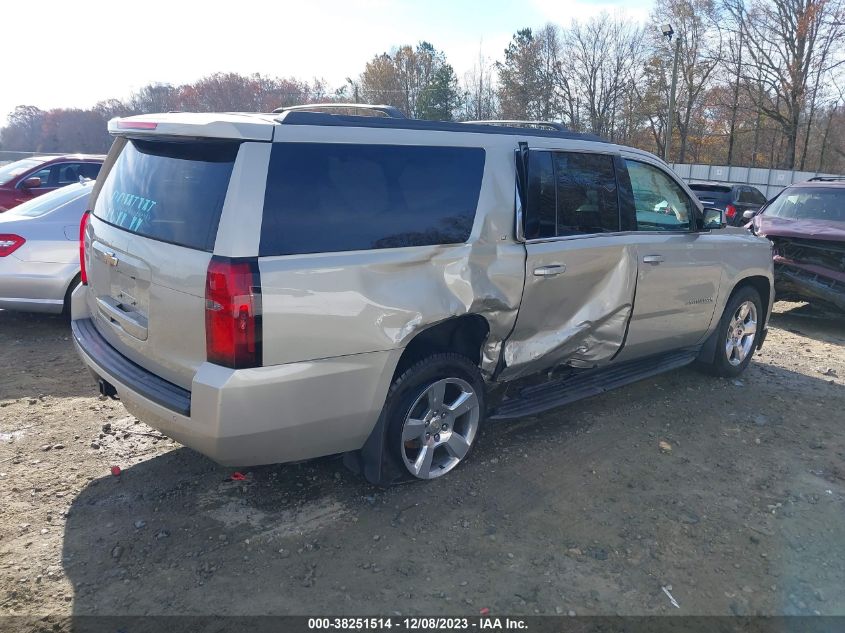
<point x="24" y="129"/>
<point x="788" y="42"/>
<point x="156" y="97"/>
<point x="602" y="58"/>
<point x="696" y="23"/>
<point x="479" y="91"/>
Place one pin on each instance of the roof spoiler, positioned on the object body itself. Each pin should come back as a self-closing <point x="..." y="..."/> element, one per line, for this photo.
<point x="543" y="125"/>
<point x="357" y="109"/>
<point x="195" y="125"/>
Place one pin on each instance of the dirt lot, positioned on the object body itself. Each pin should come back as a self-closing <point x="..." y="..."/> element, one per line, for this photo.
<point x="576" y="511"/>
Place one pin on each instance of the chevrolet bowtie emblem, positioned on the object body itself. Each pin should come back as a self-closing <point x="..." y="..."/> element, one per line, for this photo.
<point x="110" y="258"/>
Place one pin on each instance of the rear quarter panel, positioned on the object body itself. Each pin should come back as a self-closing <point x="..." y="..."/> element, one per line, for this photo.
<point x="332" y="304"/>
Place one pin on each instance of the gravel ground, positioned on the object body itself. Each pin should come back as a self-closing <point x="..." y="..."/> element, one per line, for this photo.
<point x="729" y="493"/>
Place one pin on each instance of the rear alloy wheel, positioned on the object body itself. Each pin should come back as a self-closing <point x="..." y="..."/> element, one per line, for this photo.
<point x="440" y="427"/>
<point x="435" y="410"/>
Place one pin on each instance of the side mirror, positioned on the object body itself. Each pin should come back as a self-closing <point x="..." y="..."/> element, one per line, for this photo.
<point x="713" y="219"/>
<point x="31" y="183"/>
<point x="748" y="214"/>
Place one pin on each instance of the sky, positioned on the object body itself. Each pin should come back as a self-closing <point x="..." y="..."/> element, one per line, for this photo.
<point x="76" y="55"/>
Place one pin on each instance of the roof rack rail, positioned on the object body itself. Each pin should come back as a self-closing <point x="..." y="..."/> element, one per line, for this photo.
<point x="367" y="109"/>
<point x="543" y="125"/>
<point x="826" y="178"/>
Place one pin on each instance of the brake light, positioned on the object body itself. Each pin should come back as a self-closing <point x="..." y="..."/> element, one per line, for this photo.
<point x="233" y="313"/>
<point x="730" y="211"/>
<point x="124" y="124"/>
<point x="9" y="243"/>
<point x="83" y="224"/>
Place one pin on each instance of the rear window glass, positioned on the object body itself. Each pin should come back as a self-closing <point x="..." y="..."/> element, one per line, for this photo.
<point x="168" y="190"/>
<point x="326" y="197"/>
<point x="711" y="192"/>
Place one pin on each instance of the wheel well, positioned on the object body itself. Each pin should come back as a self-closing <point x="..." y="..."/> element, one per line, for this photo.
<point x="462" y="335"/>
<point x="69" y="291"/>
<point x="761" y="285"/>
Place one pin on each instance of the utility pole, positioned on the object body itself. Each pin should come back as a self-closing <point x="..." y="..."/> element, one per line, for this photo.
<point x="735" y="104"/>
<point x="671" y="118"/>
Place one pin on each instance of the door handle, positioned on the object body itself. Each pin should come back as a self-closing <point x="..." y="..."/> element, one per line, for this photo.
<point x="653" y="259"/>
<point x="549" y="271"/>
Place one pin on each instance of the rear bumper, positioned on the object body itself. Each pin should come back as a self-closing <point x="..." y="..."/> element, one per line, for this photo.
<point x="252" y="416"/>
<point x="96" y="352"/>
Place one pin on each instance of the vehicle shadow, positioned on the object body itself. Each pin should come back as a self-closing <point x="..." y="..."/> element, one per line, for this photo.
<point x="37" y="354"/>
<point x="819" y="323"/>
<point x="579" y="501"/>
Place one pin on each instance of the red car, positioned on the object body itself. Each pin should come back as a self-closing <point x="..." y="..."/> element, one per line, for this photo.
<point x="30" y="177"/>
<point x="806" y="225"/>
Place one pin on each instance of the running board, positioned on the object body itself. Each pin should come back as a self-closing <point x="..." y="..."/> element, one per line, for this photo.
<point x="550" y="395"/>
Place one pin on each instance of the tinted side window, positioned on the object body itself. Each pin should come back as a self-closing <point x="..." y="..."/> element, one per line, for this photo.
<point x="660" y="203"/>
<point x="326" y="197"/>
<point x="586" y="193"/>
<point x="541" y="208"/>
<point x="89" y="170"/>
<point x="745" y="196"/>
<point x="66" y="174"/>
<point x="757" y="197"/>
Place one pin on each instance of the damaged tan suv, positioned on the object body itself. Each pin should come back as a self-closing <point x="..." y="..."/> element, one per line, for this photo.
<point x="274" y="287"/>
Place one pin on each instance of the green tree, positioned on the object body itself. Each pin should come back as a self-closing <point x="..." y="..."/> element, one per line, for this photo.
<point x="531" y="85"/>
<point x="418" y="81"/>
<point x="518" y="87"/>
<point x="441" y="98"/>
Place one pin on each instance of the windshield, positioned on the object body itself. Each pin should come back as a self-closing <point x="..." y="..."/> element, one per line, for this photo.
<point x="809" y="203"/>
<point x="12" y="170"/>
<point x="49" y="201"/>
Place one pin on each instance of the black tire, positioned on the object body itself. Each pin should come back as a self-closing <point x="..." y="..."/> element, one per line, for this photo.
<point x="415" y="381"/>
<point x="721" y="365"/>
<point x="73" y="284"/>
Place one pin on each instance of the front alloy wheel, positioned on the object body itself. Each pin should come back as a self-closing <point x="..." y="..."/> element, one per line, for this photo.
<point x="742" y="332"/>
<point x="440" y="427"/>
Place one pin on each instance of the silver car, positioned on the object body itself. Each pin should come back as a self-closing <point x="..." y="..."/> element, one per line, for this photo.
<point x="39" y="250"/>
<point x="270" y="288"/>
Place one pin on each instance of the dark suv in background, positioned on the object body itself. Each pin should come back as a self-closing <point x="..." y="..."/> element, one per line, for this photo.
<point x="734" y="200"/>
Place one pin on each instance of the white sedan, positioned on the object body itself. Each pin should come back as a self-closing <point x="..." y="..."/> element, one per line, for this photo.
<point x="39" y="250"/>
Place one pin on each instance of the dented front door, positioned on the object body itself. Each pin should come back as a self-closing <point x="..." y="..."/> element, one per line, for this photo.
<point x="576" y="304"/>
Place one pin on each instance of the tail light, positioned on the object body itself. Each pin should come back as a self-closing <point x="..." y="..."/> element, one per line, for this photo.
<point x="233" y="313"/>
<point x="9" y="243"/>
<point x="730" y="211"/>
<point x="83" y="224"/>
